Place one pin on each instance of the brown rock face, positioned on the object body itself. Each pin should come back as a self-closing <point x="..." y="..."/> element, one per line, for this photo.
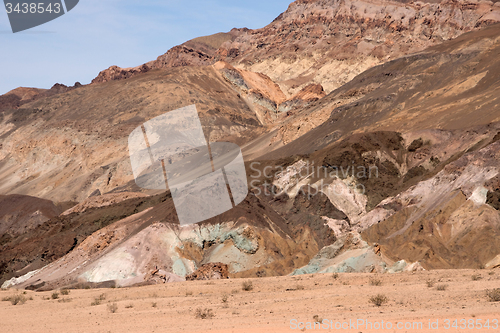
<point x="330" y="41"/>
<point x="116" y="73"/>
<point x="326" y="42"/>
<point x="196" y="52"/>
<point x="211" y="271"/>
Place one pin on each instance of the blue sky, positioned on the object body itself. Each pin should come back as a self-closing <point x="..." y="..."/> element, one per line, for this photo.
<point x="98" y="34"/>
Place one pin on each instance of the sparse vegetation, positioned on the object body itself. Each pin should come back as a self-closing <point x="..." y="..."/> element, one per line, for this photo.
<point x="379" y="300"/>
<point x="204" y="313"/>
<point x="335" y="276"/>
<point x="113" y="307"/>
<point x="224" y="298"/>
<point x="375" y="282"/>
<point x="64" y="300"/>
<point x="15" y="300"/>
<point x="98" y="299"/>
<point x="55" y="295"/>
<point x="430" y="283"/>
<point x="476" y="277"/>
<point x="247" y="286"/>
<point x="129" y="306"/>
<point x="189" y="293"/>
<point x="441" y="287"/>
<point x="65" y="292"/>
<point x="493" y="295"/>
<point x="154" y="304"/>
<point x="317" y="319"/>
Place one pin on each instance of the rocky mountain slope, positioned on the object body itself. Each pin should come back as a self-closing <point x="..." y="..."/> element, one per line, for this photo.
<point x="391" y="166"/>
<point x="327" y="42"/>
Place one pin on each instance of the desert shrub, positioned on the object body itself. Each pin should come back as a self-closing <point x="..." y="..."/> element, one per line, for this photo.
<point x="15" y="300"/>
<point x="375" y="282"/>
<point x="317" y="319"/>
<point x="299" y="287"/>
<point x="378" y="300"/>
<point x="224" y="298"/>
<point x="430" y="283"/>
<point x="247" y="286"/>
<point x="129" y="306"/>
<point x="204" y="313"/>
<point x="189" y="293"/>
<point x="64" y="300"/>
<point x="55" y="295"/>
<point x="476" y="277"/>
<point x="493" y="295"/>
<point x="98" y="299"/>
<point x="65" y="292"/>
<point x="441" y="287"/>
<point x="113" y="307"/>
<point x="154" y="304"/>
<point x="335" y="276"/>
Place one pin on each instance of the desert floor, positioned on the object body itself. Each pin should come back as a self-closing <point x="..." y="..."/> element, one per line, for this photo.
<point x="276" y="304"/>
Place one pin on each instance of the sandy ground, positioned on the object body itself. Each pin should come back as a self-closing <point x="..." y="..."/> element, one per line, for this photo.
<point x="271" y="306"/>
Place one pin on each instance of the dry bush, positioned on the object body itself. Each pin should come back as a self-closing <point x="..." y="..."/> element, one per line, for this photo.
<point x="224" y="298"/>
<point x="476" y="277"/>
<point x="65" y="292"/>
<point x="15" y="300"/>
<point x="129" y="306"/>
<point x="98" y="300"/>
<point x="335" y="276"/>
<point x="55" y="295"/>
<point x="493" y="295"/>
<point x="317" y="319"/>
<point x="64" y="300"/>
<point x="430" y="283"/>
<point x="247" y="286"/>
<point x="112" y="307"/>
<point x="441" y="287"/>
<point x="154" y="304"/>
<point x="189" y="293"/>
<point x="378" y="300"/>
<point x="375" y="282"/>
<point x="204" y="313"/>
